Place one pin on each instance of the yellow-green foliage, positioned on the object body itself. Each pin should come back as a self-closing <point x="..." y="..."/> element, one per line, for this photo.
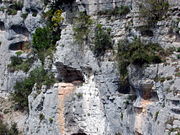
<point x="53" y="17"/>
<point x="57" y="18"/>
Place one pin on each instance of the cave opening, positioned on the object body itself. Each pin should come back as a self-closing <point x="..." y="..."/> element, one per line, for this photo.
<point x="17" y="46"/>
<point x="68" y="74"/>
<point x="2" y="27"/>
<point x="20" y="30"/>
<point x="149" y="94"/>
<point x="79" y="134"/>
<point x="147" y="32"/>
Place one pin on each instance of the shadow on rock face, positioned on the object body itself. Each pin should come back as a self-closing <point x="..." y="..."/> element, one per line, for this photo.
<point x="20" y="30"/>
<point x="79" y="134"/>
<point x="18" y="46"/>
<point x="2" y="27"/>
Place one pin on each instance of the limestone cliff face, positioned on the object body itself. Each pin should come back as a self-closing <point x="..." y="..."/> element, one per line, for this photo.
<point x="88" y="98"/>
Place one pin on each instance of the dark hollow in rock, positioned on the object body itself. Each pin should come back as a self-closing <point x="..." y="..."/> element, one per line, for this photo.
<point x="69" y="74"/>
<point x="79" y="134"/>
<point x="16" y="46"/>
<point x="125" y="87"/>
<point x="176" y="111"/>
<point x="176" y="102"/>
<point x="148" y="94"/>
<point x="2" y="27"/>
<point x="20" y="30"/>
<point x="147" y="33"/>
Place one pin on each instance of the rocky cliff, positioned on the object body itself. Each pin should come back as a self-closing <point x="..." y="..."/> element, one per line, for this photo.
<point x="88" y="97"/>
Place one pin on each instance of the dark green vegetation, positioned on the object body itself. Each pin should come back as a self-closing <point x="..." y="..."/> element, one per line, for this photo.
<point x="44" y="42"/>
<point x="153" y="11"/>
<point x="17" y="63"/>
<point x="4" y="130"/>
<point x="122" y="10"/>
<point x="24" y="16"/>
<point x="137" y="53"/>
<point x="178" y="49"/>
<point x="44" y="39"/>
<point x="41" y="117"/>
<point x="23" y="88"/>
<point x="156" y="115"/>
<point x="57" y="3"/>
<point x="177" y="129"/>
<point x="82" y="27"/>
<point x="14" y="7"/>
<point x="103" y="41"/>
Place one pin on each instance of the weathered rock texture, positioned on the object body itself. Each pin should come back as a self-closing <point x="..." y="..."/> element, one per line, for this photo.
<point x="88" y="98"/>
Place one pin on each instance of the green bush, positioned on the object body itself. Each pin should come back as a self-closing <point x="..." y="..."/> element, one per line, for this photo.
<point x="51" y="120"/>
<point x="56" y="4"/>
<point x="24" y="88"/>
<point x="18" y="63"/>
<point x="122" y="10"/>
<point x="24" y="16"/>
<point x="44" y="41"/>
<point x="11" y="11"/>
<point x="17" y="5"/>
<point x="178" y="56"/>
<point x="153" y="10"/>
<point x="41" y="117"/>
<point x="103" y="41"/>
<point x="13" y="8"/>
<point x="4" y="130"/>
<point x="178" y="49"/>
<point x="156" y="115"/>
<point x="53" y="18"/>
<point x="82" y="27"/>
<point x="138" y="54"/>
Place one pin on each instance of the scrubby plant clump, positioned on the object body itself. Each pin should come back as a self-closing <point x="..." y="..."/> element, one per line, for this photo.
<point x="122" y="10"/>
<point x="57" y="18"/>
<point x="153" y="10"/>
<point x="13" y="8"/>
<point x="103" y="41"/>
<point x="42" y="39"/>
<point x="24" y="88"/>
<point x="82" y="27"/>
<point x="17" y="63"/>
<point x="5" y="130"/>
<point x="137" y="53"/>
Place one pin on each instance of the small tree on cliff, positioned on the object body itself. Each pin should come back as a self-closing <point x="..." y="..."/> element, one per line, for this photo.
<point x="153" y="10"/>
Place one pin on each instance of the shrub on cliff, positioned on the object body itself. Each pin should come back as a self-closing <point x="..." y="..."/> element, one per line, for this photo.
<point x="103" y="40"/>
<point x="56" y="4"/>
<point x="137" y="53"/>
<point x="5" y="130"/>
<point x="153" y="10"/>
<point x="18" y="63"/>
<point x="44" y="41"/>
<point x="122" y="10"/>
<point x="13" y="8"/>
<point x="82" y="27"/>
<point x="24" y="88"/>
